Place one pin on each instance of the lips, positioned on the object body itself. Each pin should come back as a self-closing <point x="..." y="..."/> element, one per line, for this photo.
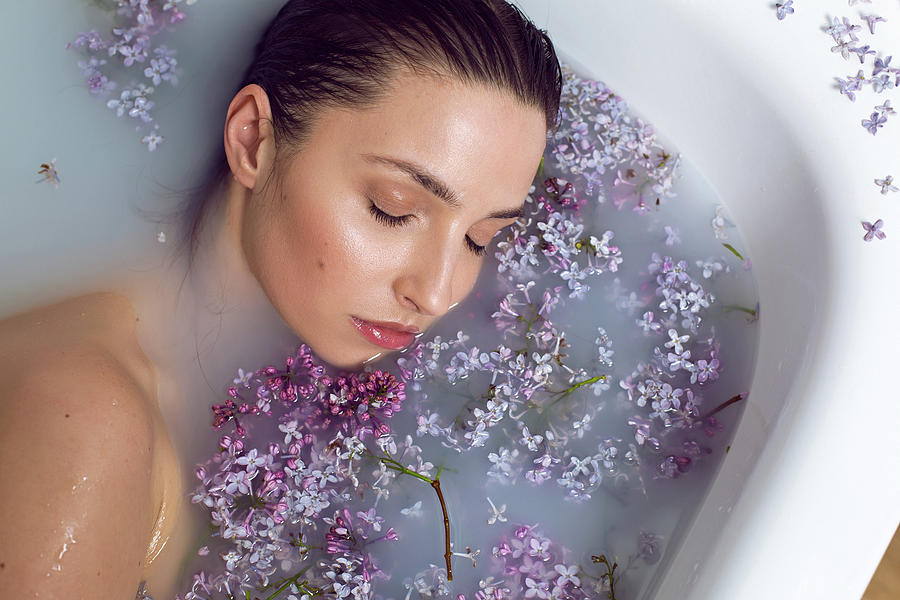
<point x="392" y="336"/>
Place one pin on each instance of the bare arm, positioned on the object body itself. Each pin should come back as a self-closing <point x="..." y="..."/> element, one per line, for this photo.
<point x="75" y="460"/>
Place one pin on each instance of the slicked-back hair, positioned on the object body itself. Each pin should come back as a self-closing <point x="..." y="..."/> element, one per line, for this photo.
<point x="318" y="54"/>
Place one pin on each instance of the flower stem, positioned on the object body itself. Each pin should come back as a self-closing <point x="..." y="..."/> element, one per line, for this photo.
<point x="744" y="309"/>
<point x="728" y="402"/>
<point x="435" y="483"/>
<point x="564" y="393"/>
<point x="610" y="572"/>
<point x="283" y="584"/>
<point x="732" y="250"/>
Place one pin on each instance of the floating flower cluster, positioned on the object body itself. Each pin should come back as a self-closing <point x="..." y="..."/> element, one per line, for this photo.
<point x="284" y="491"/>
<point x="283" y="503"/>
<point x="547" y="259"/>
<point x="130" y="48"/>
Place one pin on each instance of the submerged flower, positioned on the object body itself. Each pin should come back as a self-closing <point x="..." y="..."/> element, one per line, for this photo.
<point x="873" y="230"/>
<point x="672" y="236"/>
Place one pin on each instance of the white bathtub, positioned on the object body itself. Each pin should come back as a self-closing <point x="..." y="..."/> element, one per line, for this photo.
<point x="809" y="495"/>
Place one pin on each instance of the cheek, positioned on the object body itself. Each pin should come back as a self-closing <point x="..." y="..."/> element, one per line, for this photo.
<point x="465" y="278"/>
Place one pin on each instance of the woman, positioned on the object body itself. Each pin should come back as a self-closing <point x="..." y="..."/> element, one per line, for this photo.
<point x="373" y="150"/>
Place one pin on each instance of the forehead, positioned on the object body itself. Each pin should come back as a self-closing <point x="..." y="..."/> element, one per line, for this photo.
<point x="483" y="143"/>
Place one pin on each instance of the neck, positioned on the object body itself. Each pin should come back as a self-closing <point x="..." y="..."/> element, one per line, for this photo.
<point x="198" y="325"/>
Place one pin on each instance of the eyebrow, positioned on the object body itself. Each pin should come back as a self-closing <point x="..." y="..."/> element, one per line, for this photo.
<point x="436" y="187"/>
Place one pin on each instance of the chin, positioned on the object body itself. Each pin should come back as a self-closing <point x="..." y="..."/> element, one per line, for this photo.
<point x="344" y="358"/>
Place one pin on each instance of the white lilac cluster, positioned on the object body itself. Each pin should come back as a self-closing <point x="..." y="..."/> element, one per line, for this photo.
<point x="130" y="48"/>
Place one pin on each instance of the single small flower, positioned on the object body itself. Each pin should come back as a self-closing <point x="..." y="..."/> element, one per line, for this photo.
<point x="873" y="230"/>
<point x="843" y="48"/>
<point x="862" y="52"/>
<point x="882" y="65"/>
<point x="886" y="108"/>
<point x="874" y="122"/>
<point x="871" y="20"/>
<point x="152" y="140"/>
<point x="413" y="511"/>
<point x="887" y="184"/>
<point x="783" y="9"/>
<point x="672" y="236"/>
<point x="567" y="574"/>
<point x="496" y="513"/>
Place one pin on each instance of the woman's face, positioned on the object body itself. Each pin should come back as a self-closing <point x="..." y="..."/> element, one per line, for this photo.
<point x="379" y="225"/>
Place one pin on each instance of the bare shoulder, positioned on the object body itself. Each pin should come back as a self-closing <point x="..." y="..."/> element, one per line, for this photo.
<point x="77" y="325"/>
<point x="77" y="436"/>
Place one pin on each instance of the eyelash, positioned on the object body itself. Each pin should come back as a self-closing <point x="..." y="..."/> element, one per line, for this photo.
<point x="395" y="221"/>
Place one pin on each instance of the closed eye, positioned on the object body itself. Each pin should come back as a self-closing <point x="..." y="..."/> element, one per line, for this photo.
<point x="396" y="221"/>
<point x="385" y="218"/>
<point x="475" y="248"/>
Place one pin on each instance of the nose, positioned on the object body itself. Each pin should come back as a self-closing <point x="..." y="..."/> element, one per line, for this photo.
<point x="425" y="284"/>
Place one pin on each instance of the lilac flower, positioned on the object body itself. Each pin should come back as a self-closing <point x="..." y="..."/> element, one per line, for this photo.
<point x="672" y="236"/>
<point x="783" y="9"/>
<point x="496" y="513"/>
<point x="720" y="222"/>
<point x="531" y="441"/>
<point x="648" y="546"/>
<point x="887" y="184"/>
<point x="886" y="108"/>
<point x="881" y="65"/>
<point x="412" y="511"/>
<point x="844" y="48"/>
<point x="705" y="371"/>
<point x="848" y="87"/>
<point x="647" y="324"/>
<point x="874" y="122"/>
<point x="567" y="574"/>
<point x="152" y="140"/>
<point x="871" y="20"/>
<point x="882" y="82"/>
<point x="675" y="341"/>
<point x="862" y="52"/>
<point x="873" y="230"/>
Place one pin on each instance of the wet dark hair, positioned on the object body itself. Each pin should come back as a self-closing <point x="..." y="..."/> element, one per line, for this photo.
<point x="319" y="54"/>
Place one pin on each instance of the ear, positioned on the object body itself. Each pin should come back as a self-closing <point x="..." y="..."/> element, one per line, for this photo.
<point x="249" y="137"/>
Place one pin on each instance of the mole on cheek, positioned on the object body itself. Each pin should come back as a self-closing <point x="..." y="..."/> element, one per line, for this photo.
<point x="321" y="264"/>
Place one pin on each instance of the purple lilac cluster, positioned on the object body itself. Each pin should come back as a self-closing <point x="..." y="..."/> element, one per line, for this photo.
<point x="666" y="389"/>
<point x="286" y="504"/>
<point x="548" y="259"/>
<point x="531" y="562"/>
<point x="597" y="135"/>
<point x="881" y="76"/>
<point x="130" y="45"/>
<point x="282" y="505"/>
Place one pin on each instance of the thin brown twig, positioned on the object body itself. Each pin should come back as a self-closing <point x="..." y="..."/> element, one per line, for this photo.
<point x="725" y="404"/>
<point x="436" y="484"/>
